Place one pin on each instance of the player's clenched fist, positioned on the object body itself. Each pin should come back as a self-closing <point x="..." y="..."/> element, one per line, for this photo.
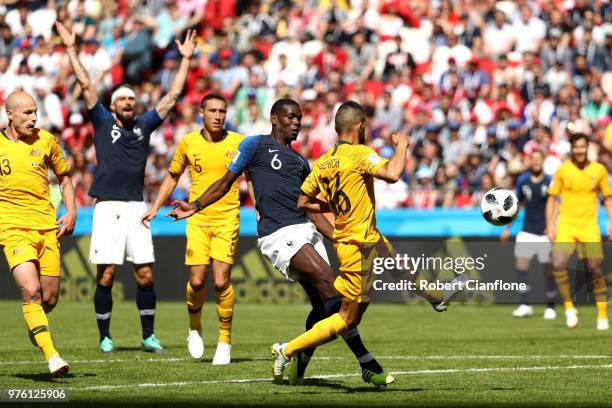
<point x="400" y="139"/>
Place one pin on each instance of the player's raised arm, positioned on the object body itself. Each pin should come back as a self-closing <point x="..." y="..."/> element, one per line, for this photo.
<point x="69" y="40"/>
<point x="67" y="220"/>
<point x="213" y="194"/>
<point x="186" y="48"/>
<point x="393" y="169"/>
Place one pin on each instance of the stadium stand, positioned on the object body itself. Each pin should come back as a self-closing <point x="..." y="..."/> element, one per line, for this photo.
<point x="476" y="84"/>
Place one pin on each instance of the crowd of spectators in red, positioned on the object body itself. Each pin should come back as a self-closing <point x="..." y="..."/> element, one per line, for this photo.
<point x="477" y="84"/>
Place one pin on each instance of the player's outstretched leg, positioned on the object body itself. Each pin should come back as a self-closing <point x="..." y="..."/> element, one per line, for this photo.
<point x="146" y="301"/>
<point x="103" y="305"/>
<point x="317" y="281"/>
<point x="321" y="333"/>
<point x="438" y="299"/>
<point x="371" y="370"/>
<point x="457" y="286"/>
<point x="298" y="365"/>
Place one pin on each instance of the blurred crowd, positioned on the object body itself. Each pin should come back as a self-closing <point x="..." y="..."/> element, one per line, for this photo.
<point x="477" y="84"/>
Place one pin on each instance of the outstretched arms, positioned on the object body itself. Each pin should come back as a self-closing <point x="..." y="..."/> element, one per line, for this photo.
<point x="69" y="39"/>
<point x="186" y="48"/>
<point x="213" y="194"/>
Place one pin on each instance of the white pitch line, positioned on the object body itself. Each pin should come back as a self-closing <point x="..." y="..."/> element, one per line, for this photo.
<point x="144" y="360"/>
<point x="341" y="375"/>
<point x="434" y="357"/>
<point x="494" y="357"/>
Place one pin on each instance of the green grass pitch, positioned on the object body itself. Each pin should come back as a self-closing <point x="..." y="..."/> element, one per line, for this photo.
<point x="469" y="356"/>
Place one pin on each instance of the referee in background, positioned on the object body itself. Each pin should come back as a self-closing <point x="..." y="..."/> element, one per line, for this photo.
<point x="121" y="140"/>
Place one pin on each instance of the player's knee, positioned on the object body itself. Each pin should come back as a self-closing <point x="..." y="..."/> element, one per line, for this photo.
<point x="106" y="275"/>
<point x="196" y="282"/>
<point x="221" y="283"/>
<point x="558" y="267"/>
<point x="31" y="293"/>
<point x="106" y="280"/>
<point x="144" y="276"/>
<point x="350" y="319"/>
<point x="595" y="266"/>
<point x="144" y="280"/>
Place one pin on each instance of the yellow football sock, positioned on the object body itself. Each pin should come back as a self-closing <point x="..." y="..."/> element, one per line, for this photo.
<point x="38" y="325"/>
<point x="225" y="311"/>
<point x="568" y="305"/>
<point x="600" y="293"/>
<point x="563" y="288"/>
<point x="322" y="332"/>
<point x="602" y="310"/>
<point x="195" y="300"/>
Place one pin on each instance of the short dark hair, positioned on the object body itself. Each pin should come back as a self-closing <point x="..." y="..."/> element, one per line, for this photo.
<point x="210" y="97"/>
<point x="577" y="136"/>
<point x="349" y="114"/>
<point x="282" y="104"/>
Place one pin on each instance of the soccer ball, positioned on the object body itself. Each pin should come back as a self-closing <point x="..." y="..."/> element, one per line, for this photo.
<point x="499" y="206"/>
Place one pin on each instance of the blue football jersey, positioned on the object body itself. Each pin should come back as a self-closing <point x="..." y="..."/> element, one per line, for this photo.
<point x="121" y="154"/>
<point x="534" y="196"/>
<point x="277" y="173"/>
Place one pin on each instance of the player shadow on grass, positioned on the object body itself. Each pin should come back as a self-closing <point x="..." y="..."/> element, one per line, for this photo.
<point x="321" y="382"/>
<point x="43" y="377"/>
<point x="234" y="360"/>
<point x="129" y="348"/>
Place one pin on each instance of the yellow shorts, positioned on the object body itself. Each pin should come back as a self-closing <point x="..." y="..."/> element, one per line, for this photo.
<point x="211" y="242"/>
<point x="21" y="245"/>
<point x="586" y="240"/>
<point x="356" y="260"/>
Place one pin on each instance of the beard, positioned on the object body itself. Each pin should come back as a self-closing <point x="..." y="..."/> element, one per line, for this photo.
<point x="128" y="123"/>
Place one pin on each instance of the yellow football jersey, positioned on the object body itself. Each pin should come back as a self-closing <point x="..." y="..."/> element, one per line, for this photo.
<point x="24" y="181"/>
<point x="579" y="192"/>
<point x="207" y="163"/>
<point x="345" y="177"/>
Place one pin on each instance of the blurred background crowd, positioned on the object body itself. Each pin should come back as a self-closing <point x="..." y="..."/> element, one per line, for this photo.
<point x="477" y="84"/>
